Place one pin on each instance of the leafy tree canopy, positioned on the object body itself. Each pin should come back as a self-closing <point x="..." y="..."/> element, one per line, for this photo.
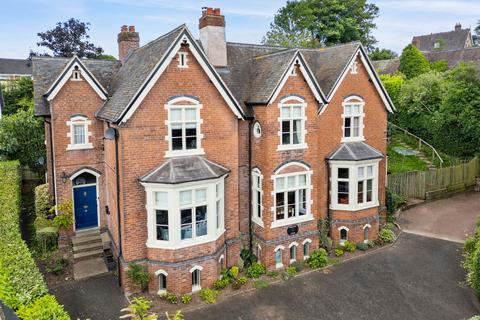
<point x="69" y="38"/>
<point x="412" y="62"/>
<point x="314" y="23"/>
<point x="382" y="54"/>
<point x="440" y="65"/>
<point x="17" y="95"/>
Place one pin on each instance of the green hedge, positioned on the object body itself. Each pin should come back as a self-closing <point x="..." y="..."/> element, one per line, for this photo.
<point x="44" y="308"/>
<point x="21" y="283"/>
<point x="471" y="261"/>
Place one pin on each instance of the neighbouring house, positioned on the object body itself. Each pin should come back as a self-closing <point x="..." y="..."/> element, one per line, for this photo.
<point x="187" y="151"/>
<point x="12" y="69"/>
<point x="452" y="46"/>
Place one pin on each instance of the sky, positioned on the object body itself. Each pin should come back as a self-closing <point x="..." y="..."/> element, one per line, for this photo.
<point x="246" y="20"/>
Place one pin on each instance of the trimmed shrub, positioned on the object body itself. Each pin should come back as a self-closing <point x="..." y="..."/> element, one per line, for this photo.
<point x="298" y="265"/>
<point x="318" y="259"/>
<point x="221" y="283"/>
<point x="339" y="252"/>
<point x="255" y="270"/>
<point x="43" y="201"/>
<point x="170" y="297"/>
<point x="239" y="283"/>
<point x="43" y="308"/>
<point x="186" y="298"/>
<point x="209" y="295"/>
<point x="386" y="235"/>
<point x="349" y="246"/>
<point x="139" y="275"/>
<point x="471" y="260"/>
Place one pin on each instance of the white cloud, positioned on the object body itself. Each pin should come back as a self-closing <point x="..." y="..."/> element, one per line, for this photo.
<point x="458" y="7"/>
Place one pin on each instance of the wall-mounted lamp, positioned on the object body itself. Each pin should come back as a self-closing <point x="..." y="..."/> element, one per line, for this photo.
<point x="64" y="176"/>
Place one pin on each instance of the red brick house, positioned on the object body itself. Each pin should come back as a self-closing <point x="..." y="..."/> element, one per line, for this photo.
<point x="187" y="151"/>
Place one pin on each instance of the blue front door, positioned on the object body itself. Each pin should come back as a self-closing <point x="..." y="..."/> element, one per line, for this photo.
<point x="85" y="202"/>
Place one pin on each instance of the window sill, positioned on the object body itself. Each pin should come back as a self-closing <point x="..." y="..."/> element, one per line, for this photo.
<point x="287" y="222"/>
<point x="355" y="139"/>
<point x="170" y="245"/>
<point x="278" y="265"/>
<point x="353" y="207"/>
<point x="161" y="292"/>
<point x="292" y="147"/>
<point x="258" y="222"/>
<point x="181" y="153"/>
<point x="196" y="288"/>
<point x="306" y="257"/>
<point x="292" y="261"/>
<point x="86" y="146"/>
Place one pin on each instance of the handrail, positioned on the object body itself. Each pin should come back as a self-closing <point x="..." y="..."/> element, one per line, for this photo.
<point x="435" y="153"/>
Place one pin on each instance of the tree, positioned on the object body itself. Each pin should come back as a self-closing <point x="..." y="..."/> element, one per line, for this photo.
<point x="22" y="138"/>
<point x="393" y="84"/>
<point x="69" y="38"/>
<point x="382" y="54"/>
<point x="412" y="62"/>
<point x="440" y="65"/>
<point x="17" y="95"/>
<point x="314" y="23"/>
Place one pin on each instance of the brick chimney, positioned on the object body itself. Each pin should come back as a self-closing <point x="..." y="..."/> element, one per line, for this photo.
<point x="212" y="36"/>
<point x="128" y="40"/>
<point x="458" y="27"/>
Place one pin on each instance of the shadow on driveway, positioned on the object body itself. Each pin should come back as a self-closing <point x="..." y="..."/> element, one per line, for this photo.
<point x="95" y="298"/>
<point x="417" y="278"/>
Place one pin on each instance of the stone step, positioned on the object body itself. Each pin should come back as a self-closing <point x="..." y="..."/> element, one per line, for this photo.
<point x="85" y="240"/>
<point x="87" y="254"/>
<point x="87" y="247"/>
<point x="89" y="268"/>
<point x="87" y="233"/>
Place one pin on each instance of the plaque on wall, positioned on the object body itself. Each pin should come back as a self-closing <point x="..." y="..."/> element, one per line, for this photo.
<point x="292" y="230"/>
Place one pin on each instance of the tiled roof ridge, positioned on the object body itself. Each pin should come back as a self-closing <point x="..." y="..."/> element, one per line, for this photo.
<point x="268" y="55"/>
<point x="440" y="33"/>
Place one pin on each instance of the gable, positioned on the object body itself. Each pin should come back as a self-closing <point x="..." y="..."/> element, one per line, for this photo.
<point x="66" y="74"/>
<point x="184" y="38"/>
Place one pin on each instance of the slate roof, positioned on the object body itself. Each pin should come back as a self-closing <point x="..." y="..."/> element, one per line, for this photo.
<point x="47" y="70"/>
<point x="15" y="67"/>
<point x="354" y="151"/>
<point x="185" y="169"/>
<point x="451" y="40"/>
<point x="387" y="66"/>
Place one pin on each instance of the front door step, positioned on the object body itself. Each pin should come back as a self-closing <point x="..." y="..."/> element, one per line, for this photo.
<point x="89" y="268"/>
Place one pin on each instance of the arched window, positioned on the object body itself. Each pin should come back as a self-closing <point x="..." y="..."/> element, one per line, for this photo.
<point x="292" y="123"/>
<point x="257" y="193"/>
<point x="366" y="230"/>
<point x="162" y="281"/>
<point x="279" y="256"/>
<point x="306" y="248"/>
<point x="78" y="133"/>
<point x="196" y="278"/>
<point x="353" y="119"/>
<point x="343" y="234"/>
<point x="293" y="252"/>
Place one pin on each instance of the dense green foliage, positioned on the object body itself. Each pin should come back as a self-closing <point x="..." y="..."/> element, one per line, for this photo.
<point x="471" y="260"/>
<point x="17" y="95"/>
<point x="170" y="297"/>
<point x="312" y="23"/>
<point x="382" y="54"/>
<point x="440" y="65"/>
<point x="255" y="270"/>
<point x="349" y="246"/>
<point x="43" y="308"/>
<point x="139" y="309"/>
<point x="412" y="62"/>
<point x="186" y="298"/>
<point x="318" y="258"/>
<point x="247" y="257"/>
<point x="209" y="295"/>
<point x="139" y="275"/>
<point x="393" y="84"/>
<point x="386" y="235"/>
<point x="43" y="201"/>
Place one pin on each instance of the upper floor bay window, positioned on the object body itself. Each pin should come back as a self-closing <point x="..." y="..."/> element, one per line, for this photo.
<point x="184" y="137"/>
<point x="353" y="119"/>
<point x="184" y="215"/>
<point x="292" y="198"/>
<point x="257" y="193"/>
<point x="292" y="124"/>
<point x="78" y="133"/>
<point x="354" y="185"/>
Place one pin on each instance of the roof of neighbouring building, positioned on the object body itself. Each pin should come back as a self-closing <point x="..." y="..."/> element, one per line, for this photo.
<point x="17" y="67"/>
<point x="185" y="169"/>
<point x="354" y="151"/>
<point x="451" y="40"/>
<point x="252" y="74"/>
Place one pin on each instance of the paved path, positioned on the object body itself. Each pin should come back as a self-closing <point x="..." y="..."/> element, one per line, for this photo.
<point x="449" y="219"/>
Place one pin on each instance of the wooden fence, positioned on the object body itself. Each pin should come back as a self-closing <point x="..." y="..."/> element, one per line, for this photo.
<point x="427" y="184"/>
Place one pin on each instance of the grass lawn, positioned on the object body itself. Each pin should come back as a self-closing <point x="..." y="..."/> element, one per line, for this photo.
<point x="400" y="163"/>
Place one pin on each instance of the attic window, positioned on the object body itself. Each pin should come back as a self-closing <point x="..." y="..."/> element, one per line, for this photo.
<point x="436" y="45"/>
<point x="182" y="60"/>
<point x="353" y="68"/>
<point x="76" y="74"/>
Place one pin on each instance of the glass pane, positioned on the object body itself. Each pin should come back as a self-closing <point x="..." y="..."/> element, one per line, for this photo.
<point x="286" y="112"/>
<point x="191" y="142"/>
<point x="176" y="114"/>
<point x="285" y="138"/>
<point x="360" y="192"/>
<point x="302" y="207"/>
<point x="343" y="234"/>
<point x="365" y="233"/>
<point x="200" y="195"/>
<point x="348" y="110"/>
<point x="162" y="233"/>
<point x="343" y="192"/>
<point x="279" y="183"/>
<point x="162" y="216"/>
<point x="360" y="172"/>
<point x="161" y="199"/>
<point x="296" y="131"/>
<point x="293" y="253"/>
<point x="306" y="249"/>
<point x="218" y="214"/>
<point x="259" y="204"/>
<point x="297" y="112"/>
<point x="285" y="126"/>
<point x="369" y="190"/>
<point x="201" y="220"/>
<point x="291" y="182"/>
<point x="162" y="224"/>
<point x="356" y="108"/>
<point x="343" y="173"/>
<point x="79" y="134"/>
<point x="177" y="143"/>
<point x="278" y="256"/>
<point x="163" y="282"/>
<point x="259" y="183"/>
<point x="302" y="180"/>
<point x="280" y="202"/>
<point x="346" y="133"/>
<point x="291" y="204"/>
<point x="370" y="171"/>
<point x="190" y="114"/>
<point x="185" y="197"/>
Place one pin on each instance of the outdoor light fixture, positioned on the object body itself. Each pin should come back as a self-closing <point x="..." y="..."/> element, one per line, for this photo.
<point x="64" y="176"/>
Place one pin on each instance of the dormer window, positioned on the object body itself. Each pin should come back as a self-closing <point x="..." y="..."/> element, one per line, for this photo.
<point x="182" y="59"/>
<point x="184" y="137"/>
<point x="436" y="45"/>
<point x="353" y="119"/>
<point x="78" y="133"/>
<point x="76" y="74"/>
<point x="354" y="68"/>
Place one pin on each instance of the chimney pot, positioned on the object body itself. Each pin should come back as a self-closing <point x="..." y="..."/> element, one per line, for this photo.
<point x="458" y="27"/>
<point x="128" y="40"/>
<point x="216" y="11"/>
<point x="124" y="28"/>
<point x="131" y="29"/>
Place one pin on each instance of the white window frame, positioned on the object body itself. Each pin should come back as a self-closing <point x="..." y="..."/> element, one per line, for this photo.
<point x="198" y="286"/>
<point x="436" y="45"/>
<point x="192" y="104"/>
<point x="353" y="166"/>
<point x="369" y="227"/>
<point x="340" y="240"/>
<point x="293" y="246"/>
<point x="182" y="59"/>
<point x="308" y="202"/>
<point x="76" y="74"/>
<point x="349" y="105"/>
<point x="303" y="120"/>
<point x="174" y="215"/>
<point x="278" y="265"/>
<point x="256" y="217"/>
<point x="309" y="241"/>
<point x="354" y="68"/>
<point x="79" y="121"/>
<point x="157" y="274"/>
